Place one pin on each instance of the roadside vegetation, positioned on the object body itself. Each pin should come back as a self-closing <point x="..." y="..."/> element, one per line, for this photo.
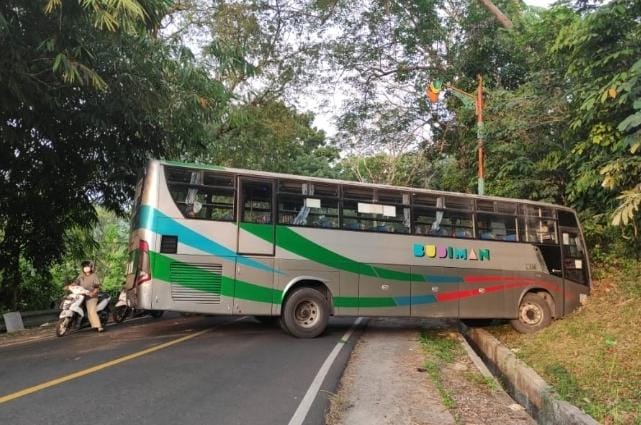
<point x="440" y="350"/>
<point x="464" y="391"/>
<point x="593" y="357"/>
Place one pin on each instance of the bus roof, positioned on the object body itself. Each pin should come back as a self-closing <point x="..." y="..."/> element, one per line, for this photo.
<point x="268" y="174"/>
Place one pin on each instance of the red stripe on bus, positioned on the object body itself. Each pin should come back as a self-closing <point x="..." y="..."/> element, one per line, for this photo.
<point x="457" y="295"/>
<point x="522" y="280"/>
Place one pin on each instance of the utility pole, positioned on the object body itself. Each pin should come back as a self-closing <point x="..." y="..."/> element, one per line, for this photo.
<point x="469" y="100"/>
<point x="480" y="134"/>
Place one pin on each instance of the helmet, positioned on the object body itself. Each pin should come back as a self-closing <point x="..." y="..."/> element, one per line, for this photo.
<point x="87" y="263"/>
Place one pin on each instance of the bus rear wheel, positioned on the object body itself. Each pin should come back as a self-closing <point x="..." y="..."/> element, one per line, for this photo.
<point x="534" y="314"/>
<point x="305" y="313"/>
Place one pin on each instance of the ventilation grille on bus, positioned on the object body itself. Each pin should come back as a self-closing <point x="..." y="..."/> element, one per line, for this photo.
<point x="196" y="283"/>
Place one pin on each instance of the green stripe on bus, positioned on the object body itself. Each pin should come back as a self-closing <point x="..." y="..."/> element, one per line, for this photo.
<point x="161" y="269"/>
<point x="263" y="231"/>
<point x="364" y="302"/>
<point x="299" y="245"/>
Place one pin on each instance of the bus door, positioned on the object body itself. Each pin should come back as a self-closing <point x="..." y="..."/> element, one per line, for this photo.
<point x="256" y="245"/>
<point x="575" y="267"/>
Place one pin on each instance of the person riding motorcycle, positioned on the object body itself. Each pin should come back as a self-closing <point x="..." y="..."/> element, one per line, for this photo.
<point x="89" y="280"/>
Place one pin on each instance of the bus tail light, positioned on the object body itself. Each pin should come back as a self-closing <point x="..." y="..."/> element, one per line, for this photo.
<point x="143" y="271"/>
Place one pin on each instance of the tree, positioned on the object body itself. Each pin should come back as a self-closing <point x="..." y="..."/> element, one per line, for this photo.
<point x="87" y="96"/>
<point x="604" y="72"/>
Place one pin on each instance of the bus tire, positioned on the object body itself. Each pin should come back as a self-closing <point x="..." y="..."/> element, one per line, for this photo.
<point x="306" y="313"/>
<point x="282" y="325"/>
<point x="534" y="314"/>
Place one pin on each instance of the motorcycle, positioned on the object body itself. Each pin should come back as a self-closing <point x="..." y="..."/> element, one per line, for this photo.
<point x="73" y="313"/>
<point x="126" y="306"/>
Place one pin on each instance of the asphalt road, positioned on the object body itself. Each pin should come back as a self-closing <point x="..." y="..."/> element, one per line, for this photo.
<point x="227" y="370"/>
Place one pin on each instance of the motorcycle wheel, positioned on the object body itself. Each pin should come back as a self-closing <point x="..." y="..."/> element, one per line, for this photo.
<point x="120" y="313"/>
<point x="104" y="318"/>
<point x="157" y="313"/>
<point x="62" y="327"/>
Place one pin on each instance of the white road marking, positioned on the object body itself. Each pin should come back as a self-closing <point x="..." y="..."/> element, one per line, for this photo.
<point x="306" y="403"/>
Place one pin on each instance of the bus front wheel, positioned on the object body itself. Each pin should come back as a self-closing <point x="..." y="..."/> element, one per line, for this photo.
<point x="534" y="314"/>
<point x="305" y="313"/>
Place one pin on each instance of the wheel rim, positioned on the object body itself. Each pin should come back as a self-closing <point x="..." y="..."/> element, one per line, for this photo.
<point x="307" y="313"/>
<point x="531" y="314"/>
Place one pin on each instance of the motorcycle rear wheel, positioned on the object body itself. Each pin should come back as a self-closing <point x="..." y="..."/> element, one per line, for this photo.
<point x="120" y="313"/>
<point x="157" y="313"/>
<point x="62" y="327"/>
<point x="104" y="317"/>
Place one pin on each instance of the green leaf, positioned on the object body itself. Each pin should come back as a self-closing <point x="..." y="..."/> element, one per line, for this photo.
<point x="632" y="121"/>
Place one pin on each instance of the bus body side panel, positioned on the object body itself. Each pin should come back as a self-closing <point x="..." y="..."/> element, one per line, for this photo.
<point x="254" y="287"/>
<point x="573" y="293"/>
<point x="193" y="262"/>
<point x="380" y="295"/>
<point x="430" y="283"/>
<point x="193" y="283"/>
<point x="295" y="272"/>
<point x="483" y="294"/>
<point x="346" y="300"/>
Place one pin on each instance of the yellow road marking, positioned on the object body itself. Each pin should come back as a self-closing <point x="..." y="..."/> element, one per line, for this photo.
<point x="81" y="373"/>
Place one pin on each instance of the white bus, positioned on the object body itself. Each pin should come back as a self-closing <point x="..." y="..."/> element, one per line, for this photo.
<point x="217" y="240"/>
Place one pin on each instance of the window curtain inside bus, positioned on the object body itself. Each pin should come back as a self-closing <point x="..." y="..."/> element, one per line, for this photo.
<point x="196" y="179"/>
<point x="440" y="204"/>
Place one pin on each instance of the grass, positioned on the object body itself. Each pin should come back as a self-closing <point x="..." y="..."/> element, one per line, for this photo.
<point x="338" y="404"/>
<point x="593" y="357"/>
<point x="441" y="345"/>
<point x="483" y="381"/>
<point x="440" y="349"/>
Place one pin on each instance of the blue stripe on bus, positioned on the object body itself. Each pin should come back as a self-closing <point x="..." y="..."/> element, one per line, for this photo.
<point x="443" y="279"/>
<point x="154" y="220"/>
<point x="414" y="300"/>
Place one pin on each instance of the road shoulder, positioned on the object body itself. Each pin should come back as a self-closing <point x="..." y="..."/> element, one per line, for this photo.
<point x="397" y="375"/>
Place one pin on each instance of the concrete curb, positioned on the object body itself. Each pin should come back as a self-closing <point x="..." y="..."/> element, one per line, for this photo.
<point x="523" y="383"/>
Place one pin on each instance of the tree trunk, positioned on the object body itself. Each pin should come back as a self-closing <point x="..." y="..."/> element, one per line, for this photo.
<point x="503" y="20"/>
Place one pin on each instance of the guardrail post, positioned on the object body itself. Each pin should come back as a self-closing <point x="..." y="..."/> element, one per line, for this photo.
<point x="13" y="321"/>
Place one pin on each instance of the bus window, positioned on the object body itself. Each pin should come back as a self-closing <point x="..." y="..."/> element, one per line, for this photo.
<point x="443" y="223"/>
<point x="567" y="219"/>
<point x="358" y="193"/>
<point x="375" y="211"/>
<point x="496" y="227"/>
<point x="484" y="205"/>
<point x="307" y="204"/>
<point x="257" y="202"/>
<point x="451" y="217"/>
<point x="202" y="194"/>
<point x="374" y="217"/>
<point x="537" y="225"/>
